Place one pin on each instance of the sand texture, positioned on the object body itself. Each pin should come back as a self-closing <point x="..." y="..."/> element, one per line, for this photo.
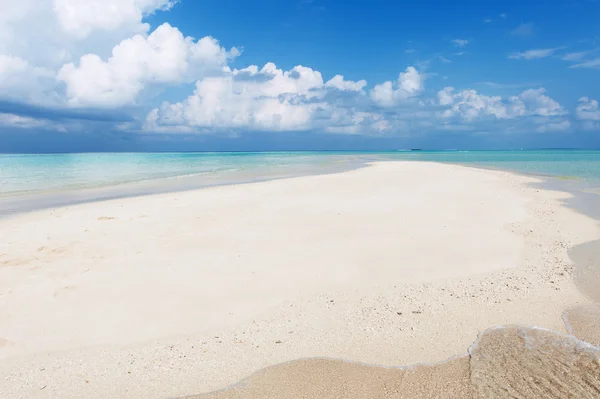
<point x="332" y="379"/>
<point x="584" y="323"/>
<point x="587" y="273"/>
<point x="505" y="362"/>
<point x="176" y="294"/>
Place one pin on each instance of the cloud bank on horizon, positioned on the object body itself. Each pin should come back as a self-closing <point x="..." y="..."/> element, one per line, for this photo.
<point x="102" y="57"/>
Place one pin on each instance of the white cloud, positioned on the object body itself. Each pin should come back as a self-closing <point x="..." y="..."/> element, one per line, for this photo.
<point x="18" y="121"/>
<point x="10" y="120"/>
<point x="19" y="80"/>
<point x="163" y="57"/>
<point x="595" y="63"/>
<point x="101" y="53"/>
<point x="80" y="17"/>
<point x="263" y="99"/>
<point x="576" y="56"/>
<point x="469" y="105"/>
<point x="269" y="98"/>
<point x="409" y="84"/>
<point x="588" y="109"/>
<point x="537" y="103"/>
<point x="339" y="83"/>
<point x="534" y="54"/>
<point x="49" y="33"/>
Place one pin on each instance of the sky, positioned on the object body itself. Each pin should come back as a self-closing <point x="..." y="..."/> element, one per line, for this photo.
<point x="210" y="75"/>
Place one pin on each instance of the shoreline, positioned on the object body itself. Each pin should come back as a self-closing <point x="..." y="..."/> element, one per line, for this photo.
<point x="14" y="204"/>
<point x="369" y="303"/>
<point x="452" y="377"/>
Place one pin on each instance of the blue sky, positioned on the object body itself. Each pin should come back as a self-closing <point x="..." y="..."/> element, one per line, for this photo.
<point x="164" y="75"/>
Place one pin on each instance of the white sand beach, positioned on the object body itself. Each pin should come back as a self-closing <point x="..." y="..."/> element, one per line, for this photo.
<point x="169" y="295"/>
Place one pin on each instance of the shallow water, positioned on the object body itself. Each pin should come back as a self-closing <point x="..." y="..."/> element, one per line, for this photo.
<point x="504" y="362"/>
<point x="29" y="182"/>
<point x="27" y="173"/>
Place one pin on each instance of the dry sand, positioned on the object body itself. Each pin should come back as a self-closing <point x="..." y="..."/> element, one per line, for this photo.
<point x="176" y="294"/>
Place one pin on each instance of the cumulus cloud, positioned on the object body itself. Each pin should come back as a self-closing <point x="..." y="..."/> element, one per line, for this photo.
<point x="80" y="17"/>
<point x="534" y="54"/>
<point x="537" y="103"/>
<point x="269" y="98"/>
<point x="163" y="57"/>
<point x="264" y="99"/>
<point x="588" y="109"/>
<point x="470" y="105"/>
<point x="409" y="84"/>
<point x="47" y="34"/>
<point x="70" y="28"/>
<point x="85" y="57"/>
<point x="339" y="83"/>
<point x="19" y="79"/>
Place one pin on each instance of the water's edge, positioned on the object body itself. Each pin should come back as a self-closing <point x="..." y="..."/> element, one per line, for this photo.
<point x="18" y="204"/>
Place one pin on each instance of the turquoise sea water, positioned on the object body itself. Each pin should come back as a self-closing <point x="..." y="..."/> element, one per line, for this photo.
<point x="31" y="173"/>
<point x="65" y="178"/>
<point x="21" y="174"/>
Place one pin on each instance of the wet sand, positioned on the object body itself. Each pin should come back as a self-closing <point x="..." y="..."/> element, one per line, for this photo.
<point x="584" y="323"/>
<point x="183" y="293"/>
<point x="329" y="379"/>
<point x="505" y="362"/>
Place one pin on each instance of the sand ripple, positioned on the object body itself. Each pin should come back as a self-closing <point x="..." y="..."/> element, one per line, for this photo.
<point x="518" y="362"/>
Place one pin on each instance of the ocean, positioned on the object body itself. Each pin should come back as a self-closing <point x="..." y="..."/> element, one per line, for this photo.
<point x="28" y="181"/>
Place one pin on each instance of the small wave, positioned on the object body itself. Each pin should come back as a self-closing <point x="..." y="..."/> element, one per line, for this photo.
<point x="504" y="362"/>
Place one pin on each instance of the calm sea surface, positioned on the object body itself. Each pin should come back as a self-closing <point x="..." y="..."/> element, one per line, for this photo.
<point x="64" y="178"/>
